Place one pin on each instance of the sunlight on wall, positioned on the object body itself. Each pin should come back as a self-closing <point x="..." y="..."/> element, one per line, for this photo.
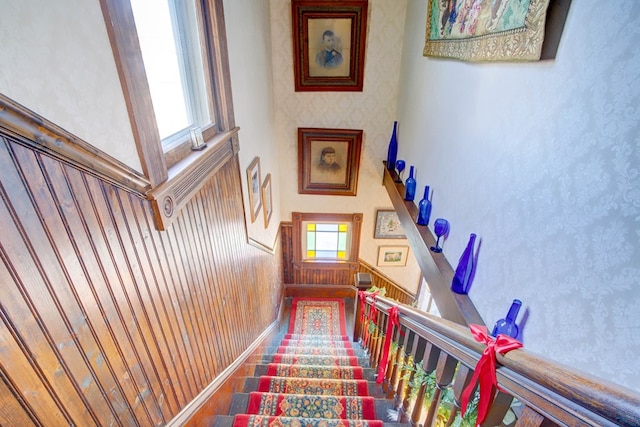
<point x="541" y="161"/>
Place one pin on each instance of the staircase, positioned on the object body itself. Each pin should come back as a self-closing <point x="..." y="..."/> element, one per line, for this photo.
<point x="314" y="377"/>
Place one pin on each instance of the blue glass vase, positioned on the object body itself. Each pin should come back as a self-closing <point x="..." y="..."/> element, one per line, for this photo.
<point x="410" y="186"/>
<point x="507" y="326"/>
<point x="392" y="152"/>
<point x="424" y="208"/>
<point x="462" y="278"/>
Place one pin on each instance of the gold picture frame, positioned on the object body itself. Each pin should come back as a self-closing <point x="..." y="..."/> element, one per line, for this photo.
<point x="388" y="225"/>
<point x="254" y="185"/>
<point x="267" y="201"/>
<point x="392" y="256"/>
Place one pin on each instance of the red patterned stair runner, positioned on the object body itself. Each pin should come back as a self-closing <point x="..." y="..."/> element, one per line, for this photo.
<point x="314" y="379"/>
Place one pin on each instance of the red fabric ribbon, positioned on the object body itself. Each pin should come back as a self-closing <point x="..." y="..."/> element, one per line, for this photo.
<point x="362" y="295"/>
<point x="384" y="362"/>
<point x="485" y="370"/>
<point x="373" y="313"/>
<point x="363" y="305"/>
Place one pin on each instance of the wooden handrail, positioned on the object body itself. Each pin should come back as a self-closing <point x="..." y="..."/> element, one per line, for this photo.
<point x="558" y="393"/>
<point x="434" y="266"/>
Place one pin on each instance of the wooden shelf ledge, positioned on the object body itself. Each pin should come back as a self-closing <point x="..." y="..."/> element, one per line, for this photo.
<point x="435" y="268"/>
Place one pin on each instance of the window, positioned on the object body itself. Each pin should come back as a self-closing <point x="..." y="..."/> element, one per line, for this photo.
<point x="194" y="74"/>
<point x="326" y="241"/>
<point x="169" y="35"/>
<point x="330" y="240"/>
<point x="172" y="62"/>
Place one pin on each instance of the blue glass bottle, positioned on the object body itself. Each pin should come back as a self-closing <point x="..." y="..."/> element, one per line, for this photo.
<point x="410" y="186"/>
<point x="507" y="326"/>
<point x="464" y="270"/>
<point x="392" y="152"/>
<point x="424" y="208"/>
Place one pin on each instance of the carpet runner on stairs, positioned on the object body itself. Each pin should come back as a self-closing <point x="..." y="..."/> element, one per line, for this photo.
<point x="313" y="379"/>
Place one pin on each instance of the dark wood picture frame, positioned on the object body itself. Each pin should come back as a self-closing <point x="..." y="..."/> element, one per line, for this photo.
<point x="329" y="43"/>
<point x="254" y="180"/>
<point x="328" y="161"/>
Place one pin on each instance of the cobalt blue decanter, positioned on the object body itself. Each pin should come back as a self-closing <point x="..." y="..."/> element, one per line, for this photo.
<point x="424" y="208"/>
<point x="462" y="278"/>
<point x="507" y="326"/>
<point x="410" y="186"/>
<point x="392" y="152"/>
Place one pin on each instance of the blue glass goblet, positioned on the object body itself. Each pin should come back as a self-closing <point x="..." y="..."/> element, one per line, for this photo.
<point x="441" y="228"/>
<point x="400" y="165"/>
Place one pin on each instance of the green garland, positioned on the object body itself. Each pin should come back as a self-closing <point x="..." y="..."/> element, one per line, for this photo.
<point x="447" y="402"/>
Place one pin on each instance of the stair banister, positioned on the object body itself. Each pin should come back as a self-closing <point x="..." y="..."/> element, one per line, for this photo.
<point x="559" y="393"/>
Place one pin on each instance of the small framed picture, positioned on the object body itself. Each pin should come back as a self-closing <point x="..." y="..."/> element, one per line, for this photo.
<point x="329" y="44"/>
<point x="328" y="161"/>
<point x="392" y="256"/>
<point x="253" y="181"/>
<point x="266" y="200"/>
<point x="388" y="225"/>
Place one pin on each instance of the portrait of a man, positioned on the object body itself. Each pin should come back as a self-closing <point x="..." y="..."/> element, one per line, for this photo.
<point x="329" y="56"/>
<point x="329" y="47"/>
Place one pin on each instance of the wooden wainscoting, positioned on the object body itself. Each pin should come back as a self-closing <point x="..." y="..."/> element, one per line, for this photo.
<point x="320" y="275"/>
<point x="107" y="321"/>
<point x="379" y="280"/>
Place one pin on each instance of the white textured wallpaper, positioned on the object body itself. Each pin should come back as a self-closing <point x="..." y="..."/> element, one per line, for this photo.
<point x="372" y="110"/>
<point x="542" y="161"/>
<point x="56" y="60"/>
<point x="248" y="37"/>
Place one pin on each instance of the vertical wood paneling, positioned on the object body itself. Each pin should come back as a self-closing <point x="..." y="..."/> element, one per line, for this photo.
<point x="104" y="319"/>
<point x="319" y="276"/>
<point x="14" y="411"/>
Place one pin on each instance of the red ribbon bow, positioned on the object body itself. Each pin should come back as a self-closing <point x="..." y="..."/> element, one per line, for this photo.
<point x="485" y="370"/>
<point x="393" y="321"/>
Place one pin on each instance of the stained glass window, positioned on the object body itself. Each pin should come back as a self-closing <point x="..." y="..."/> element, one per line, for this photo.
<point x="326" y="241"/>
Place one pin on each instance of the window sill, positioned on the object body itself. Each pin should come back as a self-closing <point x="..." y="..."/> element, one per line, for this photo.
<point x="188" y="176"/>
<point x="325" y="265"/>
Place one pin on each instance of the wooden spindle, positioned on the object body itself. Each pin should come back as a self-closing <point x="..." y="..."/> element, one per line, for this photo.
<point x="463" y="377"/>
<point x="403" y="371"/>
<point x="530" y="418"/>
<point x="392" y="372"/>
<point x="429" y="364"/>
<point x="499" y="408"/>
<point x="445" y="371"/>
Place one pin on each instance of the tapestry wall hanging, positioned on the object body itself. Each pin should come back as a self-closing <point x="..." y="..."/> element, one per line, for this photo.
<point x="486" y="30"/>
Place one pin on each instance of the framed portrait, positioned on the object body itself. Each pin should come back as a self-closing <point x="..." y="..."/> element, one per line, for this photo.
<point x="388" y="225"/>
<point x="253" y="181"/>
<point x="392" y="256"/>
<point x="267" y="201"/>
<point x="329" y="44"/>
<point x="328" y="161"/>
